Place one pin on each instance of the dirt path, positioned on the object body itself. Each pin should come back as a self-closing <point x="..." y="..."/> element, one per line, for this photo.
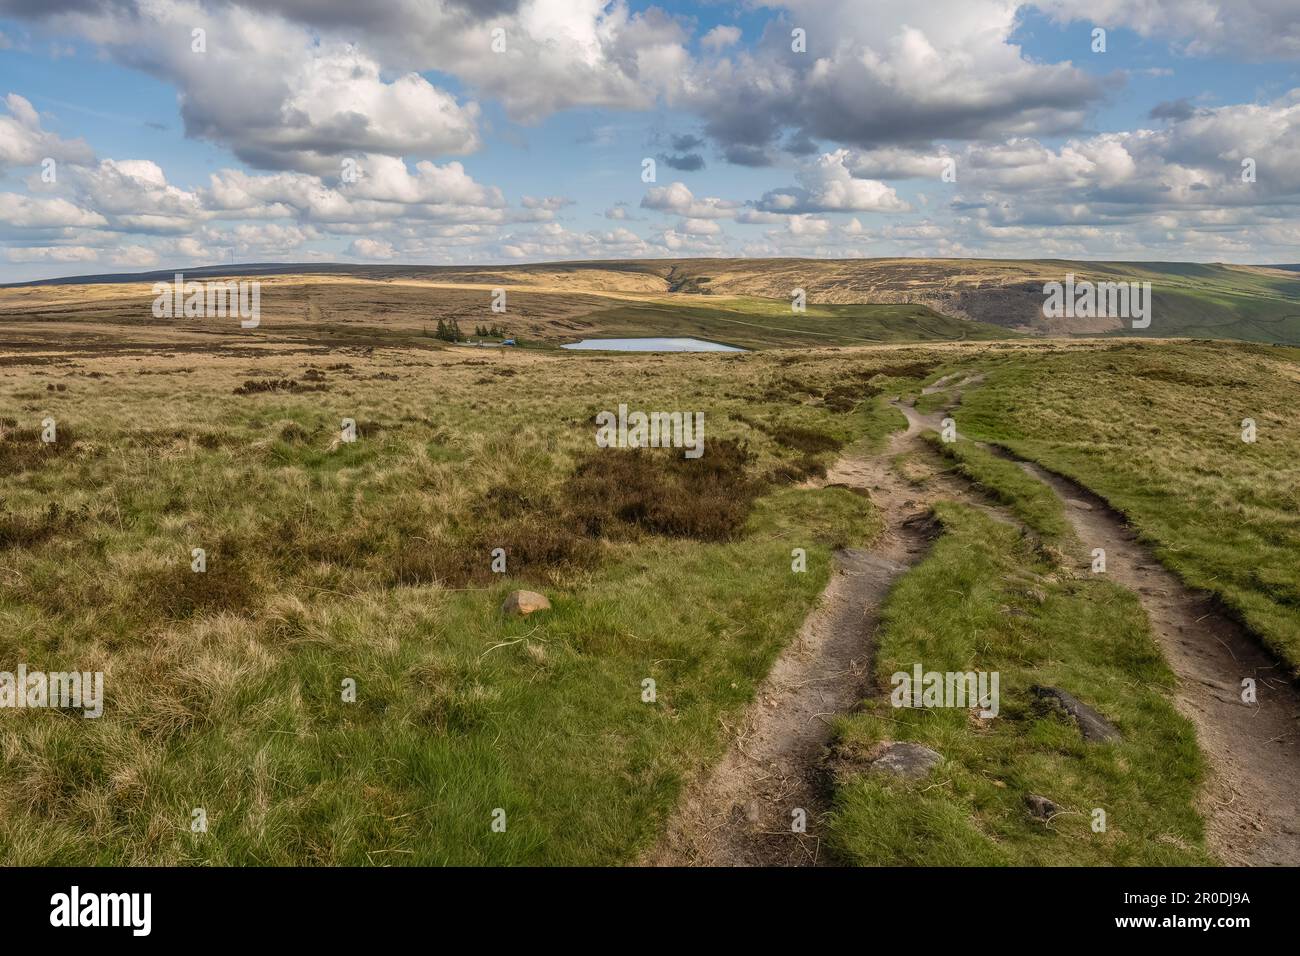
<point x="1252" y="802"/>
<point x="740" y="812"/>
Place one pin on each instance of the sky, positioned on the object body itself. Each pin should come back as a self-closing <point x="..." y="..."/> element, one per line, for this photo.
<point x="139" y="134"/>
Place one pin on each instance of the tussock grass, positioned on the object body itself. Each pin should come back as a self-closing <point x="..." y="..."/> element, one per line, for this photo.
<point x="371" y="560"/>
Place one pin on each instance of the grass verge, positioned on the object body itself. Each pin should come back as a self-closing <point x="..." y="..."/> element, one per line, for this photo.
<point x="1157" y="430"/>
<point x="986" y="599"/>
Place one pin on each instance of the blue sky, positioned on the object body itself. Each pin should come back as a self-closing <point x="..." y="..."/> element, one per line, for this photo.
<point x="170" y="157"/>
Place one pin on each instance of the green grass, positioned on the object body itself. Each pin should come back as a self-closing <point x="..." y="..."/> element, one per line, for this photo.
<point x="759" y="323"/>
<point x="1196" y="300"/>
<point x="1028" y="498"/>
<point x="369" y="561"/>
<point x="985" y="599"/>
<point x="1156" y="431"/>
<point x="224" y="689"/>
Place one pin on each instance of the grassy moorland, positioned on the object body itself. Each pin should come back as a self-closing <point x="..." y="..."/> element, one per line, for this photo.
<point x="742" y="301"/>
<point x="1156" y="429"/>
<point x="756" y="323"/>
<point x="542" y="309"/>
<point x="372" y="561"/>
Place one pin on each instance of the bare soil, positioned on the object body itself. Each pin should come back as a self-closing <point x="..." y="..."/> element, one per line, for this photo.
<point x="1251" y="806"/>
<point x="740" y="812"/>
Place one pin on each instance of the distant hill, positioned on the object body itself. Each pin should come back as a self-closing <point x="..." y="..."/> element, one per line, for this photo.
<point x="655" y="296"/>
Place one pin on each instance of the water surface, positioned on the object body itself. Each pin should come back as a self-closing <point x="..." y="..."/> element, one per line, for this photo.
<point x="652" y="345"/>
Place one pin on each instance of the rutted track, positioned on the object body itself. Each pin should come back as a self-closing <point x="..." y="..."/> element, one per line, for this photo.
<point x="1252" y="803"/>
<point x="739" y="813"/>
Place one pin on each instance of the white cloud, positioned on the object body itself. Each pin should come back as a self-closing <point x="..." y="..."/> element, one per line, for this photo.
<point x="1256" y="29"/>
<point x="364" y="248"/>
<point x="826" y="185"/>
<point x="31" y="212"/>
<point x="52" y="254"/>
<point x="699" y="227"/>
<point x="720" y="37"/>
<point x="24" y="143"/>
<point x="277" y="95"/>
<point x="677" y="198"/>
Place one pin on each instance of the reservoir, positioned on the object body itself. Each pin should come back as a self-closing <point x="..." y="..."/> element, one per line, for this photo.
<point x="652" y="345"/>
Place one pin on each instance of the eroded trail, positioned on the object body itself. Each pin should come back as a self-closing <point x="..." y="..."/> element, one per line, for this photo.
<point x="1252" y="803"/>
<point x="739" y="813"/>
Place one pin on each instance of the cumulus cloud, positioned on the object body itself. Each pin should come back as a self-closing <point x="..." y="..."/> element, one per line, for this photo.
<point x="24" y="143"/>
<point x="699" y="227"/>
<point x="328" y="96"/>
<point x="364" y="248"/>
<point x="1189" y="164"/>
<point x="52" y="254"/>
<point x="827" y="185"/>
<point x="31" y="212"/>
<point x="921" y="72"/>
<point x="135" y="196"/>
<point x="384" y="190"/>
<point x="276" y="95"/>
<point x="1256" y="29"/>
<point x="678" y="199"/>
<point x="720" y="37"/>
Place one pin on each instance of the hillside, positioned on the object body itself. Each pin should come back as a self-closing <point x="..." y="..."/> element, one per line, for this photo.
<point x="555" y="302"/>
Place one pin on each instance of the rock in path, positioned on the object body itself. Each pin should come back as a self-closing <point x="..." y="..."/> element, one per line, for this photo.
<point x="1093" y="725"/>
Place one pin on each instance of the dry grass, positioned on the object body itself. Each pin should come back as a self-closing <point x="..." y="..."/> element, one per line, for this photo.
<point x="372" y="560"/>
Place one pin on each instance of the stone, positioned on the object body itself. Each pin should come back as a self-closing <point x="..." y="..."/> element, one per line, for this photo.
<point x="523" y="603"/>
<point x="907" y="760"/>
<point x="1041" y="807"/>
<point x="1091" y="724"/>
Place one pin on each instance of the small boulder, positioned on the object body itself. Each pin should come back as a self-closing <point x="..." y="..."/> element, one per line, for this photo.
<point x="1092" y="725"/>
<point x="907" y="760"/>
<point x="1041" y="807"/>
<point x="523" y="603"/>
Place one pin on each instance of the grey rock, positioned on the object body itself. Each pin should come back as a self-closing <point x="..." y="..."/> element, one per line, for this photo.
<point x="1091" y="724"/>
<point x="907" y="760"/>
<point x="1041" y="807"/>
